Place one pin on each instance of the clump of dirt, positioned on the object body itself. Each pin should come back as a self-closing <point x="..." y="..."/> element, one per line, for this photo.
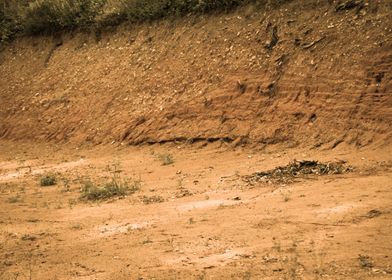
<point x="296" y="169"/>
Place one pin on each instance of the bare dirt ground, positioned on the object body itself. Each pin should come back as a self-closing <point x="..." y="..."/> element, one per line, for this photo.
<point x="195" y="218"/>
<point x="216" y="98"/>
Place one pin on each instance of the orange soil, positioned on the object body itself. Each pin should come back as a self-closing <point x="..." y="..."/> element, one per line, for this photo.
<point x="209" y="79"/>
<point x="210" y="225"/>
<point x="207" y="91"/>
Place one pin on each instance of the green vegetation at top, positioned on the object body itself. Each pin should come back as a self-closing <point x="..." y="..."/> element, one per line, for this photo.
<point x="32" y="17"/>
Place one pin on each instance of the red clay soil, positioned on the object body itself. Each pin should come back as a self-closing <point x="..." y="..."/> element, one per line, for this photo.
<point x="327" y="80"/>
<point x="218" y="98"/>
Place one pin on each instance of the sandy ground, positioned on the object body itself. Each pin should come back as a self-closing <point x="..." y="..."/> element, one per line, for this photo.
<point x="195" y="218"/>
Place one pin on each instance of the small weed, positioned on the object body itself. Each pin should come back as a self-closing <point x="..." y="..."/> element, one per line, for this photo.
<point x="59" y="206"/>
<point x="182" y="192"/>
<point x="180" y="183"/>
<point x="71" y="203"/>
<point x="166" y="159"/>
<point x="286" y="196"/>
<point x="48" y="180"/>
<point x="365" y="261"/>
<point x="147" y="241"/>
<point x="13" y="199"/>
<point x="45" y="205"/>
<point x="152" y="199"/>
<point x="77" y="227"/>
<point x="28" y="237"/>
<point x="66" y="186"/>
<point x="33" y="205"/>
<point x="276" y="246"/>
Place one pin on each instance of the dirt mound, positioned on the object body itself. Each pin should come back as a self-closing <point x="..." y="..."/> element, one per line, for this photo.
<point x="303" y="74"/>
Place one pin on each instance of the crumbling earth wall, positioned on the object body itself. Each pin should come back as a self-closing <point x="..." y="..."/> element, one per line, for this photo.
<point x="306" y="73"/>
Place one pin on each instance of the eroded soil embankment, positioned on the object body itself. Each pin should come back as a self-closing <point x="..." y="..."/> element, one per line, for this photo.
<point x="302" y="74"/>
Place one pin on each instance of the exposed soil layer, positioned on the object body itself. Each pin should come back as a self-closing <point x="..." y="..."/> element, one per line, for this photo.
<point x="303" y="74"/>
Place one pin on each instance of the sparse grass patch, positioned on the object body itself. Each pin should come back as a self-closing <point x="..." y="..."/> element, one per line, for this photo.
<point x="66" y="186"/>
<point x="166" y="159"/>
<point x="365" y="261"/>
<point x="77" y="227"/>
<point x="152" y="199"/>
<point x="13" y="199"/>
<point x="92" y="192"/>
<point x="28" y="237"/>
<point x="48" y="180"/>
<point x="147" y="241"/>
<point x="182" y="192"/>
<point x="114" y="188"/>
<point x="72" y="203"/>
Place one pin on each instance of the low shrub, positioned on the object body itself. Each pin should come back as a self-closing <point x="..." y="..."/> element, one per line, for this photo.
<point x="11" y="18"/>
<point x="114" y="188"/>
<point x="48" y="180"/>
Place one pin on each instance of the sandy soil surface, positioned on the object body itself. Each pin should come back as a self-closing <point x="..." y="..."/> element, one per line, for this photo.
<point x="196" y="218"/>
